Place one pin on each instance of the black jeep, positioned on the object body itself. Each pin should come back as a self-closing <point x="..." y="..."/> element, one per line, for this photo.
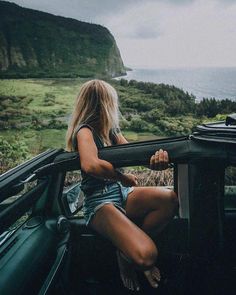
<point x="45" y="247"/>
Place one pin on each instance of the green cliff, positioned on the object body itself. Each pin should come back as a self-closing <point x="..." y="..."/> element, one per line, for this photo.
<point x="38" y="44"/>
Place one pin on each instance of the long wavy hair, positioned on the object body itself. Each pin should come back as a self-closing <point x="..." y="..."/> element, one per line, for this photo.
<point x="96" y="105"/>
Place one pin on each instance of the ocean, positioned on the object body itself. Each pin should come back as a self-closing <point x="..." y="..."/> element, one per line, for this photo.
<point x="201" y="82"/>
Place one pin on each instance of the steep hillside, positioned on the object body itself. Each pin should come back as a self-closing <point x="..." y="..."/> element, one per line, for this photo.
<point x="38" y="44"/>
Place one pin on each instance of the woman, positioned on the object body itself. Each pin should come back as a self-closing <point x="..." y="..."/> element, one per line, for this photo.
<point x="113" y="204"/>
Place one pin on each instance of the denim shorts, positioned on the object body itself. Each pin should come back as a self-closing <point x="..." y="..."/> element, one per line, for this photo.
<point x="114" y="193"/>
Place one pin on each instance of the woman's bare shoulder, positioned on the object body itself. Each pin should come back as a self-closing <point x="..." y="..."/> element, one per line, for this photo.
<point x="84" y="132"/>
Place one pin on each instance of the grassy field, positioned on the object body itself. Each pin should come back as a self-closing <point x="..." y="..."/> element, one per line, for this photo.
<point x="65" y="92"/>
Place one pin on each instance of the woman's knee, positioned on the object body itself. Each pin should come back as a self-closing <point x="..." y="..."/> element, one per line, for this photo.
<point x="171" y="203"/>
<point x="172" y="199"/>
<point x="145" y="256"/>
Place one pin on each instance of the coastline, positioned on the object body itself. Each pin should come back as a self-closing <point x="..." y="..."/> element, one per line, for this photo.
<point x="202" y="82"/>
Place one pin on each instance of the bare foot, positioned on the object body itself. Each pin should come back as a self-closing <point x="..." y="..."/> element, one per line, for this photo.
<point x="153" y="276"/>
<point x="127" y="272"/>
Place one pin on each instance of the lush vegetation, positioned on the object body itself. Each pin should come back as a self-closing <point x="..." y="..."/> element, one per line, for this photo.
<point x="212" y="107"/>
<point x="166" y="110"/>
<point x="37" y="44"/>
<point x="35" y="113"/>
<point x="12" y="153"/>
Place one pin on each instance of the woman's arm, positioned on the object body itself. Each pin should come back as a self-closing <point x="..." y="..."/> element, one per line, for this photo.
<point x="159" y="161"/>
<point x="91" y="164"/>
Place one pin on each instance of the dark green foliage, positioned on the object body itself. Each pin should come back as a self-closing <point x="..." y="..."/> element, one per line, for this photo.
<point x="177" y="125"/>
<point x="157" y="108"/>
<point x="13" y="109"/>
<point x="153" y="116"/>
<point x="12" y="153"/>
<point x="164" y="109"/>
<point x="141" y="104"/>
<point x="124" y="82"/>
<point x="57" y="124"/>
<point x="36" y="122"/>
<point x="37" y="44"/>
<point x="211" y="107"/>
<point x="138" y="125"/>
<point x="168" y="99"/>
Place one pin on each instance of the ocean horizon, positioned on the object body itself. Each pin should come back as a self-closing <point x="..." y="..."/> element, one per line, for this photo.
<point x="217" y="82"/>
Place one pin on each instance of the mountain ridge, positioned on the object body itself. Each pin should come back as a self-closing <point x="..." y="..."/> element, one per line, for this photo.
<point x="39" y="44"/>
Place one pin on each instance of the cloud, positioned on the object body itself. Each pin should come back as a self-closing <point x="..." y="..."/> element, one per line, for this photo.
<point x="87" y="10"/>
<point x="145" y="32"/>
<point x="202" y="33"/>
<point x="178" y="2"/>
<point x="227" y="1"/>
<point x="90" y="10"/>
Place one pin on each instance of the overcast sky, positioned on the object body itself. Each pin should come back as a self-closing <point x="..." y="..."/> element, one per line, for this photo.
<point x="159" y="33"/>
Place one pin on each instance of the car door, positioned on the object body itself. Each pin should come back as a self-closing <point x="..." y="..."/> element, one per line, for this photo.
<point x="33" y="238"/>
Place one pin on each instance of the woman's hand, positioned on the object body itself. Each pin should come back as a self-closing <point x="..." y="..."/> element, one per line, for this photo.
<point x="129" y="180"/>
<point x="159" y="161"/>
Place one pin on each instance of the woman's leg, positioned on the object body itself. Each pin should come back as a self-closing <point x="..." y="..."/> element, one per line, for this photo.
<point x="134" y="243"/>
<point x="151" y="207"/>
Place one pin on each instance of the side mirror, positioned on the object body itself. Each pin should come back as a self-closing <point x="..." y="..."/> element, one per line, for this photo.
<point x="72" y="198"/>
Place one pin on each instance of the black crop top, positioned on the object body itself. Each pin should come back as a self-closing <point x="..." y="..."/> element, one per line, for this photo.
<point x="90" y="183"/>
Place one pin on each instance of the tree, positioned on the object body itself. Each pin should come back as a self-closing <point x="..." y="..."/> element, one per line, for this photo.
<point x="138" y="125"/>
<point x="208" y="107"/>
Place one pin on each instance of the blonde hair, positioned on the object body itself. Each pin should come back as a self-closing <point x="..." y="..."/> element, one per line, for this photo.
<point x="96" y="105"/>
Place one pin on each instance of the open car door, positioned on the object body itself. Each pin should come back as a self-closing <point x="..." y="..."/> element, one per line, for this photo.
<point x="33" y="239"/>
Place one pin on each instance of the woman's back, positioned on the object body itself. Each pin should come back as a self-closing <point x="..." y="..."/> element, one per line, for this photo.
<point x="90" y="183"/>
